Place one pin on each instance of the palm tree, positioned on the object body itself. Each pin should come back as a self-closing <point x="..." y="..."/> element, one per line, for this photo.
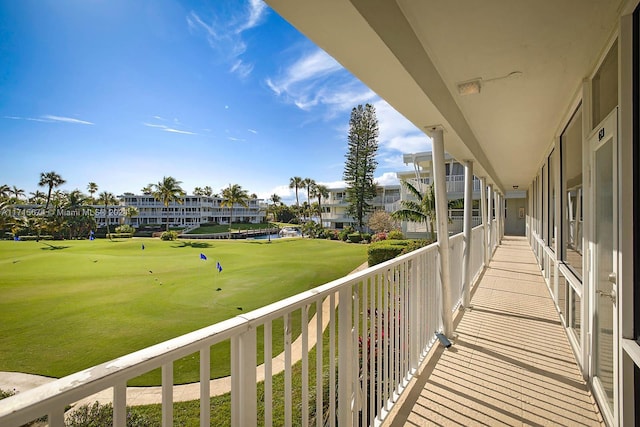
<point x="296" y="182"/>
<point x="234" y="195"/>
<point x="4" y="191"/>
<point x="308" y="183"/>
<point x="275" y="199"/>
<point x="130" y="212"/>
<point x="107" y="199"/>
<point x="168" y="190"/>
<point x="51" y="180"/>
<point x="37" y="197"/>
<point x="198" y="191"/>
<point x="207" y="190"/>
<point x="320" y="191"/>
<point x="17" y="192"/>
<point x="92" y="188"/>
<point x="423" y="209"/>
<point x="147" y="190"/>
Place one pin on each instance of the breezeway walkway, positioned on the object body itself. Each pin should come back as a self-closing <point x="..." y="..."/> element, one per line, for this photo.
<point x="511" y="363"/>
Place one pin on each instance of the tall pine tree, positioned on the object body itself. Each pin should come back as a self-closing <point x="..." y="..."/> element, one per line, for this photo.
<point x="361" y="162"/>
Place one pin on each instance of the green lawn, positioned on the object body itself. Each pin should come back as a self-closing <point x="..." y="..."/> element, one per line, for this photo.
<point x="69" y="305"/>
<point x="211" y="229"/>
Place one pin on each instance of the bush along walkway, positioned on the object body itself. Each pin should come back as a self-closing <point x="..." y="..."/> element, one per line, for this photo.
<point x="136" y="396"/>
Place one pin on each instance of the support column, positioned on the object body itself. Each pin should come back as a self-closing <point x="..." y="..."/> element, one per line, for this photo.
<point x="483" y="213"/>
<point x="466" y="230"/>
<point x="489" y="220"/>
<point x="442" y="223"/>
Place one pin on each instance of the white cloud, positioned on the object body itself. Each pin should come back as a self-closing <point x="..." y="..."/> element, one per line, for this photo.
<point x="252" y="131"/>
<point x="48" y="118"/>
<point x="224" y="34"/>
<point x="231" y="138"/>
<point x="166" y="128"/>
<point x="387" y="178"/>
<point x="178" y="131"/>
<point x="315" y="79"/>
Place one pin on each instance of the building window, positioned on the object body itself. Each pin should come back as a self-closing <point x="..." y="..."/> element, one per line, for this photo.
<point x="571" y="206"/>
<point x="605" y="86"/>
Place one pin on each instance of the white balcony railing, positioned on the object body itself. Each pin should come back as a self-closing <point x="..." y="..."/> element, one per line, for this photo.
<point x="381" y="324"/>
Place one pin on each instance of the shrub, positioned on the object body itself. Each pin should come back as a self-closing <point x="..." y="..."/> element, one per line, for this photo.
<point x="395" y="235"/>
<point x="378" y="237"/>
<point x="169" y="235"/>
<point x="344" y="234"/>
<point x="119" y="235"/>
<point x="354" y="237"/>
<point x="366" y="237"/>
<point x="385" y="250"/>
<point x="98" y="415"/>
<point x="125" y="228"/>
<point x="43" y="237"/>
<point x="415" y="244"/>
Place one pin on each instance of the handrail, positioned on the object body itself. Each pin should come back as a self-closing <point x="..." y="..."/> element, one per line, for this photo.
<point x="384" y="332"/>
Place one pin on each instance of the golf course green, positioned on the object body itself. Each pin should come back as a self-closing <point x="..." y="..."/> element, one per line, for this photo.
<point x="69" y="305"/>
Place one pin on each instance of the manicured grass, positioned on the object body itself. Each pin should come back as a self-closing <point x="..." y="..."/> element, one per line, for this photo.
<point x="66" y="306"/>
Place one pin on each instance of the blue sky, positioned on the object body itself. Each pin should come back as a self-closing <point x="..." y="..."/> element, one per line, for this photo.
<point x="125" y="92"/>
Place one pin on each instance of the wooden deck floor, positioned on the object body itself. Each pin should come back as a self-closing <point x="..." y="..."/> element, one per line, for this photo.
<point x="511" y="363"/>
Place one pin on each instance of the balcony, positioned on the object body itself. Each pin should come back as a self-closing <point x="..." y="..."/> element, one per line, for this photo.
<point x="510" y="363"/>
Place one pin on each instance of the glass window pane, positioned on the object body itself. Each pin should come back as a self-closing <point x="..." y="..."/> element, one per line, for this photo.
<point x="562" y="296"/>
<point x="605" y="86"/>
<point x="571" y="173"/>
<point x="575" y="320"/>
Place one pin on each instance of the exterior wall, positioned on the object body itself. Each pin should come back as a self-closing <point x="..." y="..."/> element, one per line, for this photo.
<point x="337" y="217"/>
<point x="514" y="224"/>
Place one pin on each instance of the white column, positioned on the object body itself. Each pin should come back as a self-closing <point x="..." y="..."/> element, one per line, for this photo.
<point x="490" y="219"/>
<point x="466" y="230"/>
<point x="483" y="213"/>
<point x="442" y="222"/>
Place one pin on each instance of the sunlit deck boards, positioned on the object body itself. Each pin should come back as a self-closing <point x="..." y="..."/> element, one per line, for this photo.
<point x="511" y="363"/>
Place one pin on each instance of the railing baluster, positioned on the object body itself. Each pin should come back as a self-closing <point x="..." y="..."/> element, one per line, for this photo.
<point x="364" y="346"/>
<point x="319" y="362"/>
<point x="332" y="360"/>
<point x="355" y="387"/>
<point x="167" y="394"/>
<point x="345" y="356"/>
<point x="372" y="349"/>
<point x="268" y="376"/>
<point x="305" y="364"/>
<point x="120" y="404"/>
<point x="205" y="386"/>
<point x="288" y="404"/>
<point x="380" y="344"/>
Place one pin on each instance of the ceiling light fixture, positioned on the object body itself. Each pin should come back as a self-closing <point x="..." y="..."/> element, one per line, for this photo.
<point x="474" y="86"/>
<point x="470" y="87"/>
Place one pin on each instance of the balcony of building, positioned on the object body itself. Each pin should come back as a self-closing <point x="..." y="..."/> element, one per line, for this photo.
<point x="510" y="362"/>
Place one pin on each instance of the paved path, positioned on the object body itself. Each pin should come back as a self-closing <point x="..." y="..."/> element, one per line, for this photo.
<point x="181" y="393"/>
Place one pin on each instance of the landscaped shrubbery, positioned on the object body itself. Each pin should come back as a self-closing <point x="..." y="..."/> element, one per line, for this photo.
<point x="98" y="415"/>
<point x="169" y="235"/>
<point x="385" y="250"/>
<point x="125" y="228"/>
<point x="43" y="237"/>
<point x="119" y="235"/>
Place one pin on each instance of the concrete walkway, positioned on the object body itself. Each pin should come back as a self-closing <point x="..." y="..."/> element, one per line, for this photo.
<point x="181" y="393"/>
<point x="511" y="363"/>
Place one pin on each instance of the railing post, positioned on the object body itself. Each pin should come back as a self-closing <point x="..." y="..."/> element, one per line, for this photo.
<point x="490" y="221"/>
<point x="466" y="230"/>
<point x="243" y="379"/>
<point x="345" y="357"/>
<point x="485" y="224"/>
<point x="415" y="296"/>
<point x="442" y="221"/>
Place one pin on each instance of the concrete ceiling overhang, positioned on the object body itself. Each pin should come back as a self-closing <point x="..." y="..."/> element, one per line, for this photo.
<point x="413" y="53"/>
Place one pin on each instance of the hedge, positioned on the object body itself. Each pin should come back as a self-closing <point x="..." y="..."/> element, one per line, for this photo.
<point x="385" y="250"/>
<point x="119" y="235"/>
<point x="43" y="237"/>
